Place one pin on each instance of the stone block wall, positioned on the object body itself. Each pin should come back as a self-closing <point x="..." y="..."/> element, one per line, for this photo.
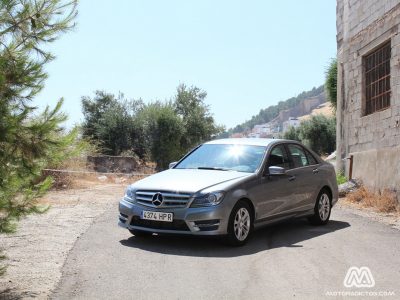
<point x="112" y="164"/>
<point x="374" y="139"/>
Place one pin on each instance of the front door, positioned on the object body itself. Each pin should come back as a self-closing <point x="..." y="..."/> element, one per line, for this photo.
<point x="274" y="192"/>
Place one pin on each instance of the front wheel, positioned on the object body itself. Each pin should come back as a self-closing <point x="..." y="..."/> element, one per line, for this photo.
<point x="322" y="209"/>
<point x="240" y="224"/>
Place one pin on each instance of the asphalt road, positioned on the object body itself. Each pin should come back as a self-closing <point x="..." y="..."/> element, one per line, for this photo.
<point x="292" y="260"/>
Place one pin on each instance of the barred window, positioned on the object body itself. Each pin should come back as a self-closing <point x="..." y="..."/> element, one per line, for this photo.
<point x="377" y="79"/>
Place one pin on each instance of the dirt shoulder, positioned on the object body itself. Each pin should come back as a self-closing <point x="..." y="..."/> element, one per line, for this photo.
<point x="37" y="251"/>
<point x="391" y="219"/>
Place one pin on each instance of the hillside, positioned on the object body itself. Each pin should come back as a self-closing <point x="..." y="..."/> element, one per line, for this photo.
<point x="297" y="106"/>
<point x="324" y="109"/>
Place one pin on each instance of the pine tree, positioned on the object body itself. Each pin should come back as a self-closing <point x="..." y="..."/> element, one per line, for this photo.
<point x="29" y="140"/>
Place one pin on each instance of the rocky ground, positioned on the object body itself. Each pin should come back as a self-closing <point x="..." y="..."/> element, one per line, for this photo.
<point x="37" y="251"/>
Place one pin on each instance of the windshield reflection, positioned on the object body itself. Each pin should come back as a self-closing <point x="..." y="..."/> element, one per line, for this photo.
<point x="241" y="158"/>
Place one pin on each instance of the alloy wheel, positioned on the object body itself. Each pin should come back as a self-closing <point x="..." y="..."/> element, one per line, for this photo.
<point x="324" y="206"/>
<point x="241" y="224"/>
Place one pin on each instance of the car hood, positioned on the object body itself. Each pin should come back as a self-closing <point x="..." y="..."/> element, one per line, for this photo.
<point x="186" y="180"/>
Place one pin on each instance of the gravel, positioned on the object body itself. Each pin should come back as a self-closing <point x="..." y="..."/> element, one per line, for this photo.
<point x="39" y="248"/>
<point x="391" y="219"/>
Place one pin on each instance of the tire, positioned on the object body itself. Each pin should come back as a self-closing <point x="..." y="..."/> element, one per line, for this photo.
<point x="322" y="209"/>
<point x="140" y="233"/>
<point x="240" y="218"/>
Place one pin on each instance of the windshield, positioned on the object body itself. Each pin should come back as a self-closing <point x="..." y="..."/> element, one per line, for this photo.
<point x="242" y="158"/>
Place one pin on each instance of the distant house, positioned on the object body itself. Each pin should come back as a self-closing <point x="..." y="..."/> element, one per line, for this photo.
<point x="261" y="130"/>
<point x="368" y="88"/>
<point x="291" y="122"/>
<point x="237" y="135"/>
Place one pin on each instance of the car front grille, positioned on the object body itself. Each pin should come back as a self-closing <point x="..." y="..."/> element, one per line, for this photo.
<point x="174" y="225"/>
<point x="123" y="218"/>
<point x="170" y="199"/>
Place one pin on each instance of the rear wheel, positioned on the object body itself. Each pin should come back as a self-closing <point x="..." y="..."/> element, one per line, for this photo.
<point x="240" y="224"/>
<point x="322" y="209"/>
<point x="140" y="233"/>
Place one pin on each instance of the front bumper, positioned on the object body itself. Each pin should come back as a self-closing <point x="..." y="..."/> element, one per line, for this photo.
<point x="193" y="221"/>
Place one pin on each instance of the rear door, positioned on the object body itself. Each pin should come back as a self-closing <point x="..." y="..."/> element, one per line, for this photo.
<point x="304" y="168"/>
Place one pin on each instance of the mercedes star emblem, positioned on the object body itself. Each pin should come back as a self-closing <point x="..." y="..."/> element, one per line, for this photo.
<point x="157" y="199"/>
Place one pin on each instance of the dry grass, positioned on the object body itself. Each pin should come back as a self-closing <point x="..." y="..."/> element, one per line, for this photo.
<point x="385" y="201"/>
<point x="65" y="179"/>
<point x="325" y="109"/>
<point x="78" y="163"/>
<point x="61" y="180"/>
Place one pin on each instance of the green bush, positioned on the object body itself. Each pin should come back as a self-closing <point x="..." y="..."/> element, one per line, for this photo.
<point x="331" y="82"/>
<point x="157" y="131"/>
<point x="292" y="134"/>
<point x="319" y="133"/>
<point x="340" y="178"/>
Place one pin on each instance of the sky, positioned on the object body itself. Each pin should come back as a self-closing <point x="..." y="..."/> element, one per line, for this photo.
<point x="247" y="55"/>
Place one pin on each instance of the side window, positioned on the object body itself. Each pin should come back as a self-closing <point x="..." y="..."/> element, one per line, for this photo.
<point x="311" y="159"/>
<point x="298" y="156"/>
<point x="278" y="157"/>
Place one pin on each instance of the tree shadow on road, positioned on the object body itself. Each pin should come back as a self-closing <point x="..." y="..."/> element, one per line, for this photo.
<point x="14" y="294"/>
<point x="289" y="234"/>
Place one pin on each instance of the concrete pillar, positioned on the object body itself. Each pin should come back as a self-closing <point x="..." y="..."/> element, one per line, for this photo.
<point x="340" y="152"/>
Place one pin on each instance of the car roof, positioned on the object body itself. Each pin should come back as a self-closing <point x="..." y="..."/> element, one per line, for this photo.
<point x="246" y="141"/>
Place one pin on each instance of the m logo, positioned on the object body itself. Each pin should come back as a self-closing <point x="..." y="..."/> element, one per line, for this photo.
<point x="359" y="277"/>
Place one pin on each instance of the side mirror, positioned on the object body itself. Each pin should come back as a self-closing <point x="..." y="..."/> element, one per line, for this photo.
<point x="273" y="170"/>
<point x="171" y="165"/>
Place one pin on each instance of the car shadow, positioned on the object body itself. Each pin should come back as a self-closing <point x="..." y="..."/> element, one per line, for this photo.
<point x="288" y="234"/>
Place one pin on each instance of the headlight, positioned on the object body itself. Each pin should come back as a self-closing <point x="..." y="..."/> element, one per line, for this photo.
<point x="209" y="199"/>
<point x="130" y="194"/>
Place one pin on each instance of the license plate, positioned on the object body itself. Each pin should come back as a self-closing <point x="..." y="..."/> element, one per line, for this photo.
<point x="157" y="216"/>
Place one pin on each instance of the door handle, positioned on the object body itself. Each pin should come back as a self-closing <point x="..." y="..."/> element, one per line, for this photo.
<point x="315" y="171"/>
<point x="291" y="178"/>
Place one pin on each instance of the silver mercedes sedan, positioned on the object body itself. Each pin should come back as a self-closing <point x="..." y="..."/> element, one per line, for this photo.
<point x="229" y="187"/>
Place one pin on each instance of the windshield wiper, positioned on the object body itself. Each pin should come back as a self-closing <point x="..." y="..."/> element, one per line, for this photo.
<point x="212" y="168"/>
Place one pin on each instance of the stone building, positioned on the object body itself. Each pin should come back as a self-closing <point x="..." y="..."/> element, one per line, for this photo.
<point x="368" y="108"/>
